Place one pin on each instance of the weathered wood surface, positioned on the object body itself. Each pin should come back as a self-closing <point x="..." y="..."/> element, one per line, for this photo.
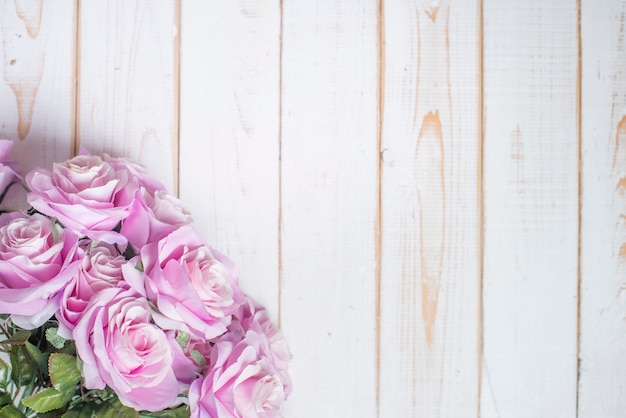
<point x="328" y="205"/>
<point x="603" y="204"/>
<point x="429" y="196"/>
<point x="430" y="203"/>
<point x="229" y="126"/>
<point x="530" y="280"/>
<point x="127" y="83"/>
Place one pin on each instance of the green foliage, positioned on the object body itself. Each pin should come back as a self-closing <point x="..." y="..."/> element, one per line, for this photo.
<point x="198" y="358"/>
<point x="48" y="399"/>
<point x="180" y="412"/>
<point x="43" y="375"/>
<point x="9" y="411"/>
<point x="17" y="338"/>
<point x="37" y="358"/>
<point x="109" y="408"/>
<point x="64" y="371"/>
<point x="55" y="339"/>
<point x="5" y="375"/>
<point x="23" y="369"/>
<point x="5" y="399"/>
<point x="182" y="338"/>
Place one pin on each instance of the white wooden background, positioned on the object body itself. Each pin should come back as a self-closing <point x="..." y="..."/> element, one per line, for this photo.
<point x="429" y="196"/>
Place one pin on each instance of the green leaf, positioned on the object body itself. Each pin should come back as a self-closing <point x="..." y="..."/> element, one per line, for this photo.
<point x="5" y="399"/>
<point x="38" y="357"/>
<point x="23" y="370"/>
<point x="55" y="339"/>
<point x="182" y="338"/>
<point x="64" y="371"/>
<point x="111" y="408"/>
<point x="19" y="338"/>
<point x="5" y="374"/>
<point x="10" y="411"/>
<point x="55" y="231"/>
<point x="180" y="412"/>
<point x="48" y="399"/>
<point x="198" y="358"/>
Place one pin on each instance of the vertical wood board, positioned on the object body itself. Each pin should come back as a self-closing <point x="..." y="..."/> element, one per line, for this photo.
<point x="128" y="83"/>
<point x="328" y="203"/>
<point x="229" y="134"/>
<point x="430" y="281"/>
<point x="531" y="209"/>
<point x="603" y="249"/>
<point x="36" y="87"/>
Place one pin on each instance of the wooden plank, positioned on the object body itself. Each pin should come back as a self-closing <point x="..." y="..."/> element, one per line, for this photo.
<point x="531" y="209"/>
<point x="603" y="239"/>
<point x="128" y="83"/>
<point x="329" y="205"/>
<point x="36" y="90"/>
<point x="229" y="134"/>
<point x="430" y="285"/>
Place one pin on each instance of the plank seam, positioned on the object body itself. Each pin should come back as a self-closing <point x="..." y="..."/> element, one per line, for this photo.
<point x="280" y="163"/>
<point x="378" y="227"/>
<point x="75" y="139"/>
<point x="176" y="96"/>
<point x="580" y="190"/>
<point x="481" y="205"/>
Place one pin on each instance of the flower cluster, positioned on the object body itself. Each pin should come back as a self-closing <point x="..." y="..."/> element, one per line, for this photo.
<point x="104" y="281"/>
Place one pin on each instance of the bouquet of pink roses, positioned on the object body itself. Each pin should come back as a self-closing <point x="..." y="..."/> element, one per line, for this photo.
<point x="113" y="305"/>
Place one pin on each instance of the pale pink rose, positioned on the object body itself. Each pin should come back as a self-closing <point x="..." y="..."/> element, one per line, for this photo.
<point x="121" y="347"/>
<point x="101" y="268"/>
<point x="240" y="382"/>
<point x="193" y="286"/>
<point x="8" y="173"/>
<point x="86" y="194"/>
<point x="37" y="260"/>
<point x="253" y="317"/>
<point x="185" y="367"/>
<point x="199" y="352"/>
<point x="137" y="170"/>
<point x="153" y="217"/>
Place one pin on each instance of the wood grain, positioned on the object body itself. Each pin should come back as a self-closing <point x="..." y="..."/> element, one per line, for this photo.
<point x="229" y="134"/>
<point x="128" y="83"/>
<point x="430" y="279"/>
<point x="36" y="90"/>
<point x="531" y="209"/>
<point x="329" y="196"/>
<point x="603" y="239"/>
<point x="342" y="154"/>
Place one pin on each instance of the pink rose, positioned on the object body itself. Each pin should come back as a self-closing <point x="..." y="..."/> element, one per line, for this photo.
<point x="198" y="351"/>
<point x="86" y="194"/>
<point x="252" y="317"/>
<point x="121" y="347"/>
<point x="100" y="269"/>
<point x="37" y="260"/>
<point x="192" y="285"/>
<point x="8" y="174"/>
<point x="153" y="217"/>
<point x="240" y="383"/>
<point x="137" y="170"/>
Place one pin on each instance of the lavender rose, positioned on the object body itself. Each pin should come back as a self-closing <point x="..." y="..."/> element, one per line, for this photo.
<point x="121" y="347"/>
<point x="100" y="269"/>
<point x="8" y="174"/>
<point x="241" y="382"/>
<point x="193" y="286"/>
<point x="252" y="317"/>
<point x="86" y="194"/>
<point x="153" y="217"/>
<point x="37" y="260"/>
<point x="137" y="170"/>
